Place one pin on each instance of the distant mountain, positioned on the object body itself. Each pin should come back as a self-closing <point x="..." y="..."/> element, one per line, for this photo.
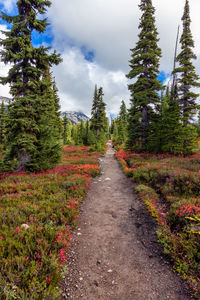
<point x="75" y="116"/>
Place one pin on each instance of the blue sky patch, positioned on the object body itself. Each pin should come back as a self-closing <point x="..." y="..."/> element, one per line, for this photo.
<point x="163" y="76"/>
<point x="37" y="38"/>
<point x="88" y="54"/>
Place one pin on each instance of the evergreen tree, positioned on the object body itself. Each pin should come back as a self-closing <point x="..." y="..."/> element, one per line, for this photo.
<point x="74" y="133"/>
<point x="101" y="114"/>
<point x="49" y="135"/>
<point x="115" y="131"/>
<point x="112" y="126"/>
<point x="122" y="123"/>
<point x="87" y="129"/>
<point x="59" y="121"/>
<point x="3" y="121"/>
<point x="67" y="131"/>
<point x="144" y="65"/>
<point x="155" y="138"/>
<point x="80" y="133"/>
<point x="187" y="75"/>
<point x="33" y="135"/>
<point x="94" y="112"/>
<point x="107" y="127"/>
<point x="171" y="129"/>
<point x="98" y="119"/>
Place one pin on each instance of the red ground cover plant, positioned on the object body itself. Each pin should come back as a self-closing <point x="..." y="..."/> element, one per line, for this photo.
<point x="170" y="188"/>
<point x="37" y="214"/>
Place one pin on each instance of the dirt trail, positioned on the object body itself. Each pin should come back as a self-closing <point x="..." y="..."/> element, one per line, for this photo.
<point x="114" y="253"/>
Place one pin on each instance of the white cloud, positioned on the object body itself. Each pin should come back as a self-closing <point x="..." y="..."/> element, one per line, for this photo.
<point x="77" y="77"/>
<point x="110" y="29"/>
<point x="8" y="4"/>
<point x="4" y="89"/>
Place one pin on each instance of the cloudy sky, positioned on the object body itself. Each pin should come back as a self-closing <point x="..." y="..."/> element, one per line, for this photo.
<point x="94" y="38"/>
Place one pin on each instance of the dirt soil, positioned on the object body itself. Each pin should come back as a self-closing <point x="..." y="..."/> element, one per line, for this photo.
<point x="114" y="253"/>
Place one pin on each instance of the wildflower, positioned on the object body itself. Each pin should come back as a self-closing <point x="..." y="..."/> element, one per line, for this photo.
<point x="48" y="279"/>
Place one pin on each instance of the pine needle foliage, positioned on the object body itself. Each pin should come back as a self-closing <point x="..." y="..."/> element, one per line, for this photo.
<point x="187" y="77"/>
<point x="144" y="66"/>
<point x="33" y="137"/>
<point x="3" y="124"/>
<point x="98" y="122"/>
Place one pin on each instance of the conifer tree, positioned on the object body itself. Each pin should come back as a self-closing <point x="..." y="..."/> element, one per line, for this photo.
<point x="101" y="114"/>
<point x="74" y="133"/>
<point x="80" y="133"/>
<point x="112" y="126"/>
<point x="3" y="119"/>
<point x="144" y="66"/>
<point x="86" y="136"/>
<point x="122" y="123"/>
<point x="187" y="76"/>
<point x="94" y="115"/>
<point x="171" y="129"/>
<point x="115" y="131"/>
<point x="33" y="135"/>
<point x="67" y="131"/>
<point x="98" y="119"/>
<point x="107" y="127"/>
<point x="57" y="108"/>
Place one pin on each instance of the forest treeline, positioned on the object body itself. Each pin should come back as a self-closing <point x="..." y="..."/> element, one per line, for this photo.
<point x="160" y="118"/>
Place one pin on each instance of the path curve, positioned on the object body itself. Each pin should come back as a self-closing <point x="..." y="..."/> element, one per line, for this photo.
<point x="114" y="254"/>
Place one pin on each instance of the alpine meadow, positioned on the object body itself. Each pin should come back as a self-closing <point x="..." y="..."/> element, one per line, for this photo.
<point x="96" y="204"/>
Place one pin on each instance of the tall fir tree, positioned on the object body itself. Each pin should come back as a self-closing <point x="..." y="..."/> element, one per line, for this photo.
<point x="171" y="129"/>
<point x="65" y="129"/>
<point x="3" y="121"/>
<point x="187" y="77"/>
<point x="98" y="116"/>
<point x="144" y="66"/>
<point x="32" y="113"/>
<point x="94" y="110"/>
<point x="122" y="123"/>
<point x="101" y="113"/>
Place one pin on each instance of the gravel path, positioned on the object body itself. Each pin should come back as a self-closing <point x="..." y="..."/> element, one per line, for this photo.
<point x="114" y="254"/>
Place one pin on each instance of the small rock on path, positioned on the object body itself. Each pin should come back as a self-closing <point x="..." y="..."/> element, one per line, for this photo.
<point x="115" y="254"/>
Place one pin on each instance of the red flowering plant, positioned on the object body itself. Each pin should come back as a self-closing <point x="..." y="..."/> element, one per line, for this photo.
<point x="170" y="187"/>
<point x="37" y="214"/>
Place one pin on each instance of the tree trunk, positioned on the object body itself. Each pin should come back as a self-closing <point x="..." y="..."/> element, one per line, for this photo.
<point x="144" y="126"/>
<point x="24" y="158"/>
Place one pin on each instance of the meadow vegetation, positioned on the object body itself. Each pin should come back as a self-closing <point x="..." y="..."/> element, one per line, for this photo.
<point x="37" y="214"/>
<point x="169" y="186"/>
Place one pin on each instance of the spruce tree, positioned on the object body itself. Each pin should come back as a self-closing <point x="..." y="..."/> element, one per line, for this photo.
<point x="49" y="135"/>
<point x="94" y="111"/>
<point x="115" y="131"/>
<point x="65" y="129"/>
<point x="80" y="133"/>
<point x="3" y="121"/>
<point x="122" y="123"/>
<point x="112" y="126"/>
<point x="33" y="135"/>
<point x="187" y="78"/>
<point x="68" y="136"/>
<point x="98" y="115"/>
<point x="144" y="66"/>
<point x="171" y="128"/>
<point x="101" y="114"/>
<point x="87" y="129"/>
